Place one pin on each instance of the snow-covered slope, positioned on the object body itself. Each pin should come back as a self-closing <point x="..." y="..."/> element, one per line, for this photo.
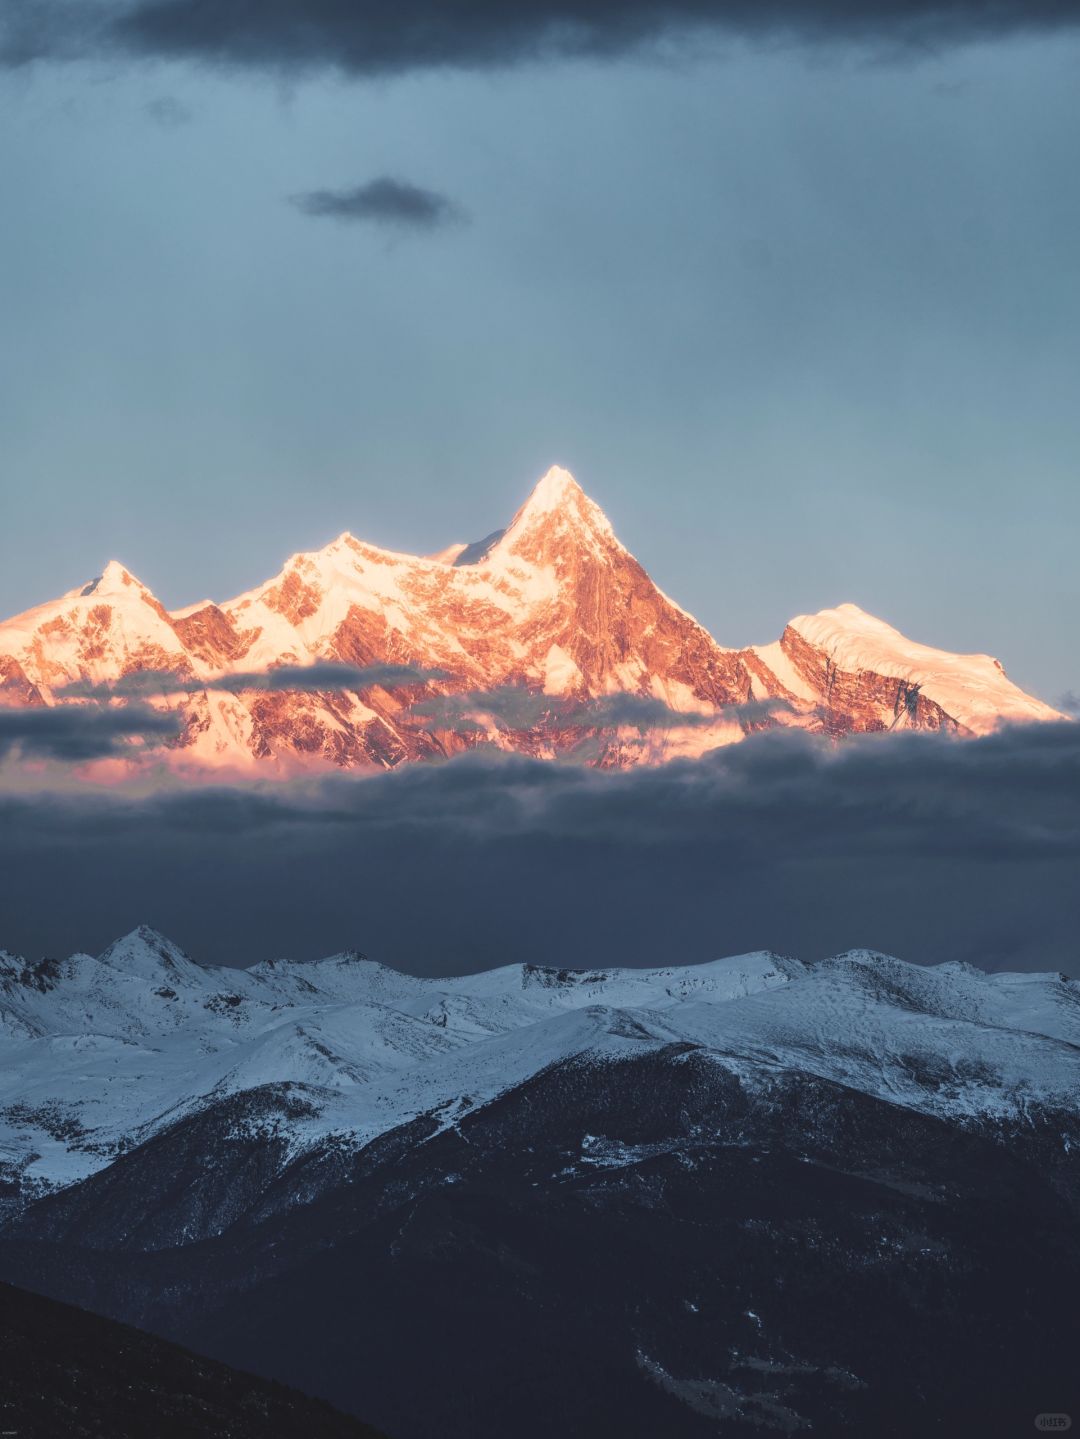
<point x="520" y="640"/>
<point x="970" y="690"/>
<point x="101" y="1053"/>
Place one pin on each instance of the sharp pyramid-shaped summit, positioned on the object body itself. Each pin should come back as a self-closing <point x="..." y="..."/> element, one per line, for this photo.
<point x="558" y="515"/>
<point x="546" y="638"/>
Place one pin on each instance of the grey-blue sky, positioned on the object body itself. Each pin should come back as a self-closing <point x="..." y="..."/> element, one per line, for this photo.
<point x="804" y="325"/>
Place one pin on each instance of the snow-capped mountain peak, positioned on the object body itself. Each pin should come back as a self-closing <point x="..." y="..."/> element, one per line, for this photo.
<point x="552" y="605"/>
<point x="286" y="1138"/>
<point x="558" y="512"/>
<point x="150" y="954"/>
<point x="99" y="1050"/>
<point x="972" y="689"/>
<point x="113" y="580"/>
<point x="558" y="493"/>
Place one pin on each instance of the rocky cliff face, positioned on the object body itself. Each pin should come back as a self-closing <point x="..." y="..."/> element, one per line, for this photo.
<point x="546" y="638"/>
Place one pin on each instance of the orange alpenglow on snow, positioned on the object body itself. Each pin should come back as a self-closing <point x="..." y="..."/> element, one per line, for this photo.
<point x="547" y="638"/>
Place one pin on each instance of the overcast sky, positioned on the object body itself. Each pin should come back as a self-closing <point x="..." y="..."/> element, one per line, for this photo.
<point x="801" y="315"/>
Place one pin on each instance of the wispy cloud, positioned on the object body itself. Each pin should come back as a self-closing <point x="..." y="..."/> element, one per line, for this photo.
<point x="77" y="733"/>
<point x="322" y="678"/>
<point x="512" y="707"/>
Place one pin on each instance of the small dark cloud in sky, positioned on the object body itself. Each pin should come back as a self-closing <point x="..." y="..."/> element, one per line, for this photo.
<point x="168" y="112"/>
<point x="379" y="38"/>
<point x="77" y="733"/>
<point x="384" y="201"/>
<point x="920" y="845"/>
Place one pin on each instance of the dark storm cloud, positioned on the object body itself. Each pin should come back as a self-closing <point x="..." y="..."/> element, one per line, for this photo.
<point x="321" y="678"/>
<point x="77" y="733"/>
<point x="384" y="201"/>
<point x="929" y="847"/>
<point x="369" y="37"/>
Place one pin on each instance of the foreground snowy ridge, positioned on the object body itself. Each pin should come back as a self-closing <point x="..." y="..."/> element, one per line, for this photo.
<point x="99" y="1054"/>
<point x="524" y="640"/>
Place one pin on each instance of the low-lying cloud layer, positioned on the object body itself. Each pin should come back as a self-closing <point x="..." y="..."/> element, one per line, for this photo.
<point x="75" y="734"/>
<point x="471" y="713"/>
<point x="513" y="707"/>
<point x="378" y="38"/>
<point x="925" y="846"/>
<point x="322" y="678"/>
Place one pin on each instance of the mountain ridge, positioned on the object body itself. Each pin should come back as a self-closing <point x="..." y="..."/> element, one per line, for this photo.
<point x="104" y="1052"/>
<point x="537" y="1200"/>
<point x="553" y="608"/>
